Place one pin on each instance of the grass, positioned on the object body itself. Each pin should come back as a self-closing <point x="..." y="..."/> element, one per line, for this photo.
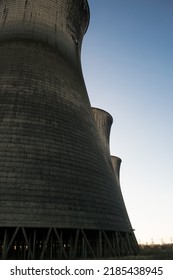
<point x="153" y="252"/>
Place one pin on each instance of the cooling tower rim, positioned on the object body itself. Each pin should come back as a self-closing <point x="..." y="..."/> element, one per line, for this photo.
<point x="104" y="111"/>
<point x="118" y="158"/>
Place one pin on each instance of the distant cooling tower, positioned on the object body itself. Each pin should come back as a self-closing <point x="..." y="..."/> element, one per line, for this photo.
<point x="59" y="196"/>
<point x="104" y="122"/>
<point x="116" y="162"/>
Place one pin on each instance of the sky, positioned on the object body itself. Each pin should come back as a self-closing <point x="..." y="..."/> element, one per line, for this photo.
<point x="127" y="61"/>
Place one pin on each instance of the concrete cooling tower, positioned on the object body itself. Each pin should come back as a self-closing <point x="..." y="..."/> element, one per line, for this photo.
<point x="59" y="196"/>
<point x="104" y="122"/>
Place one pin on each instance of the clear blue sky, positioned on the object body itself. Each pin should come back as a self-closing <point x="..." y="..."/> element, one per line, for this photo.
<point x="127" y="59"/>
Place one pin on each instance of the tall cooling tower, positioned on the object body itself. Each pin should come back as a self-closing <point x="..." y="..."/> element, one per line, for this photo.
<point x="58" y="196"/>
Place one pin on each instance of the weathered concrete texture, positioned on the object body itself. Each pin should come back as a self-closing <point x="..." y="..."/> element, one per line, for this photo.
<point x="52" y="170"/>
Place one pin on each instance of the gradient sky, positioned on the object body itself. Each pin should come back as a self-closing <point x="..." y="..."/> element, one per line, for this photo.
<point x="127" y="59"/>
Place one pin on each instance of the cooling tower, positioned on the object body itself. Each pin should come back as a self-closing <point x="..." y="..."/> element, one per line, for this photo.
<point x="116" y="163"/>
<point x="104" y="122"/>
<point x="58" y="197"/>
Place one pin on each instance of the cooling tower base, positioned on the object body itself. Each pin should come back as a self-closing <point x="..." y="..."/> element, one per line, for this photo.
<point x="52" y="243"/>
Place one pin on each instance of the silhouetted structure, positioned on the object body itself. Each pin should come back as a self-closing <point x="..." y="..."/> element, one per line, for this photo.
<point x="58" y="196"/>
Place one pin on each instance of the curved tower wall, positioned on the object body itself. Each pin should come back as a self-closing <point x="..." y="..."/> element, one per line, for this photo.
<point x="104" y="122"/>
<point x="55" y="23"/>
<point x="58" y="192"/>
<point x="53" y="170"/>
<point x="116" y="163"/>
